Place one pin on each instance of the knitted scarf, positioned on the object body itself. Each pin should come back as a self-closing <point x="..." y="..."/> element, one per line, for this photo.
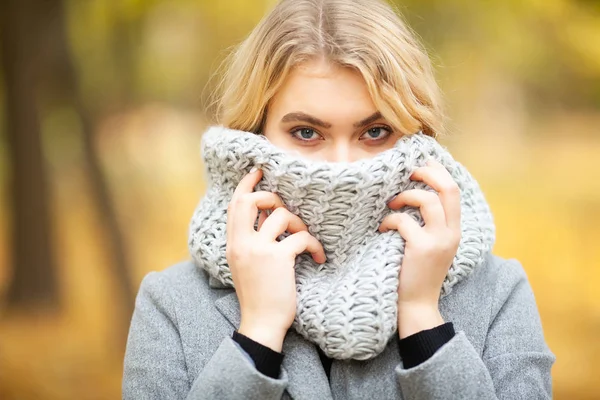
<point x="348" y="305"/>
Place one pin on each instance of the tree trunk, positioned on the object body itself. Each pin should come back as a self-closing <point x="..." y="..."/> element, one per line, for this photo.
<point x="66" y="82"/>
<point x="34" y="278"/>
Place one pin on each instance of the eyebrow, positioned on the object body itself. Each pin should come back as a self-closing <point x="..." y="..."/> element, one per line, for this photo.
<point x="300" y="116"/>
<point x="368" y="120"/>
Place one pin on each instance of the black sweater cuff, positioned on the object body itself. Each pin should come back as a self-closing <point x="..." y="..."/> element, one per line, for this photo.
<point x="419" y="347"/>
<point x="267" y="361"/>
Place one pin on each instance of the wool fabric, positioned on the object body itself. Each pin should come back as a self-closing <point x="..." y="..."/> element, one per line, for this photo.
<point x="348" y="305"/>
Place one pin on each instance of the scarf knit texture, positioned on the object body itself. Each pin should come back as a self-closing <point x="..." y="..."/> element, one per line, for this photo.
<point x="348" y="305"/>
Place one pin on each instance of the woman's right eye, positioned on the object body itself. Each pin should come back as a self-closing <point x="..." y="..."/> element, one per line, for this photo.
<point x="304" y="134"/>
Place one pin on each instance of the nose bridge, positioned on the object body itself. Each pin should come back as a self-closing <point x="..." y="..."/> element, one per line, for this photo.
<point x="342" y="151"/>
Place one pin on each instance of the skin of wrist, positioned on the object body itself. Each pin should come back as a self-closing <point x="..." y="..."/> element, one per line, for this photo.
<point x="415" y="317"/>
<point x="267" y="336"/>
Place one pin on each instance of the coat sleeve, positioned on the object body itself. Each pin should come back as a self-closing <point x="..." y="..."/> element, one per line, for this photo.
<point x="155" y="367"/>
<point x="516" y="362"/>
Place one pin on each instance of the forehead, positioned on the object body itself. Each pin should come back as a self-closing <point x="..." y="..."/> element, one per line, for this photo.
<point x="323" y="89"/>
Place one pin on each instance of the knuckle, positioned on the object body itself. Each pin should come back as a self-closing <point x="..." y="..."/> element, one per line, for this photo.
<point x="275" y="196"/>
<point x="451" y="242"/>
<point x="266" y="194"/>
<point x="235" y="203"/>
<point x="430" y="195"/>
<point x="304" y="236"/>
<point x="280" y="212"/>
<point x="456" y="237"/>
<point x="231" y="255"/>
<point x="240" y="254"/>
<point x="401" y="218"/>
<point x="451" y="188"/>
<point x="398" y="219"/>
<point x="230" y="206"/>
<point x="426" y="247"/>
<point x="430" y="198"/>
<point x="447" y="245"/>
<point x="244" y="199"/>
<point x="270" y="195"/>
<point x="389" y="221"/>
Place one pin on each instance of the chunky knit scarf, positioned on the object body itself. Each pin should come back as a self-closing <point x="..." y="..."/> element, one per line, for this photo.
<point x="347" y="306"/>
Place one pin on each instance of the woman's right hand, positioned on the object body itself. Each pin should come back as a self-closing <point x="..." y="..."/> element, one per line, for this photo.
<point x="262" y="269"/>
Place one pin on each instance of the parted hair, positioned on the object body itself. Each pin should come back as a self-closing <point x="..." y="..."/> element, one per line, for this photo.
<point x="367" y="35"/>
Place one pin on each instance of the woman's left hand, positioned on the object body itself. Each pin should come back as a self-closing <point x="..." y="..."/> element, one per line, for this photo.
<point x="429" y="250"/>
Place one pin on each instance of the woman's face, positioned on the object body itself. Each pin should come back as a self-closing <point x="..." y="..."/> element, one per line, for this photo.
<point x="325" y="112"/>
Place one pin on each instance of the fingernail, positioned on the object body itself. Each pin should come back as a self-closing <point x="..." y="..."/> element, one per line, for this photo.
<point x="253" y="170"/>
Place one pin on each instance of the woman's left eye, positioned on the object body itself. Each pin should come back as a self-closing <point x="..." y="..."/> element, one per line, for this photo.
<point x="378" y="132"/>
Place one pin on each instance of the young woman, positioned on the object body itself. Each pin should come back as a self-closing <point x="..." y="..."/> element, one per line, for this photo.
<point x="342" y="82"/>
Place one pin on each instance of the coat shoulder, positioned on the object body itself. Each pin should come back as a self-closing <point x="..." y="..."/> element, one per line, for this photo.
<point x="181" y="294"/>
<point x="182" y="273"/>
<point x="183" y="284"/>
<point x="179" y="276"/>
<point x="474" y="302"/>
<point x="496" y="277"/>
<point x="500" y="272"/>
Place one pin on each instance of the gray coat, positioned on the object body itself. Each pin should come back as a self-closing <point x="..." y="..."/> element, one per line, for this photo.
<point x="180" y="347"/>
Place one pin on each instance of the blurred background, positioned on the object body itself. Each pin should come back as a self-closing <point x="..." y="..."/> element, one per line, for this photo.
<point x="102" y="106"/>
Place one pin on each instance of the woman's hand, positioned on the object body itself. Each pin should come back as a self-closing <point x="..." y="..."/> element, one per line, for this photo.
<point x="429" y="250"/>
<point x="262" y="269"/>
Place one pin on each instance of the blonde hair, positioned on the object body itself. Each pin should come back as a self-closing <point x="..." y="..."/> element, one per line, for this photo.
<point x="366" y="35"/>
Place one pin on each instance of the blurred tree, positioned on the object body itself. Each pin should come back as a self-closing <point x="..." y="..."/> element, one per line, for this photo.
<point x="39" y="71"/>
<point x="62" y="86"/>
<point x="548" y="48"/>
<point x="34" y="278"/>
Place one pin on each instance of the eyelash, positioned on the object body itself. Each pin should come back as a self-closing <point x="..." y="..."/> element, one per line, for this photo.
<point x="299" y="128"/>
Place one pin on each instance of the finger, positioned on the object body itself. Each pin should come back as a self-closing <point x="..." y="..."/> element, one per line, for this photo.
<point x="302" y="241"/>
<point x="403" y="223"/>
<point x="246" y="185"/>
<point x="428" y="203"/>
<point x="438" y="177"/>
<point x="262" y="216"/>
<point x="282" y="220"/>
<point x="247" y="205"/>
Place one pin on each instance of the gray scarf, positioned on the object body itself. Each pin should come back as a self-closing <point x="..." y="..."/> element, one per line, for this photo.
<point x="347" y="306"/>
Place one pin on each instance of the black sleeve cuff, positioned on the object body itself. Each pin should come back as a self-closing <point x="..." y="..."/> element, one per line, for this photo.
<point x="267" y="361"/>
<point x="417" y="348"/>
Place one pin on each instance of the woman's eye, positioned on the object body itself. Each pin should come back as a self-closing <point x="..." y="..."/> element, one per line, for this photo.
<point x="378" y="133"/>
<point x="304" y="134"/>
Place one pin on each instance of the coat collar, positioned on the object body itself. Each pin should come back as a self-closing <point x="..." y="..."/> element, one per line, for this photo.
<point x="306" y="381"/>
